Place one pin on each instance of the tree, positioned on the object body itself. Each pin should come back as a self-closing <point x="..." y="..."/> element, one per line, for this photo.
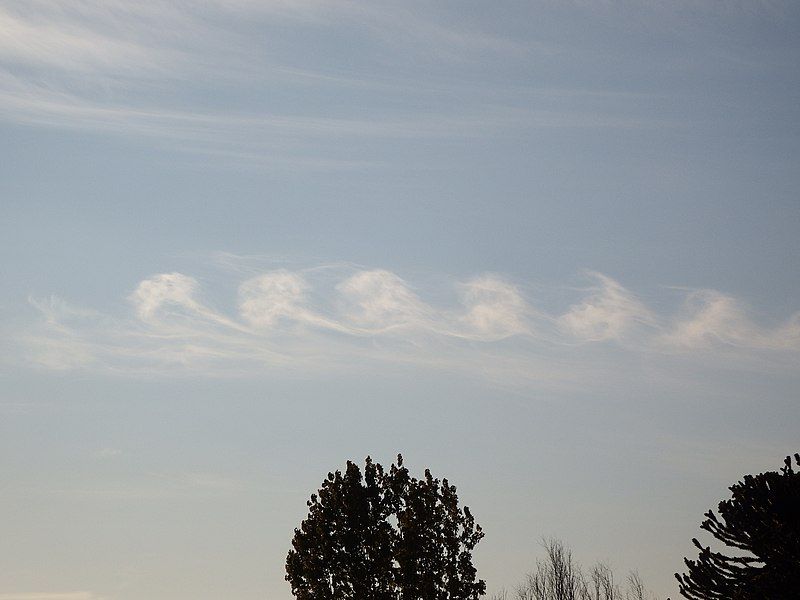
<point x="384" y="536"/>
<point x="560" y="577"/>
<point x="761" y="521"/>
<point x="557" y="577"/>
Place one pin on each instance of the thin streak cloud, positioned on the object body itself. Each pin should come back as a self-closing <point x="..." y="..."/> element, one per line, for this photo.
<point x="134" y="69"/>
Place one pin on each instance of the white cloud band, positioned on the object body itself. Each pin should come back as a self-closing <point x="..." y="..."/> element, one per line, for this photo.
<point x="286" y="317"/>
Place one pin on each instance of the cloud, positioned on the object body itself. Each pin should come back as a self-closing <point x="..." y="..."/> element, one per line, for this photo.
<point x="86" y="37"/>
<point x="165" y="291"/>
<point x="144" y="70"/>
<point x="58" y="342"/>
<point x="495" y="309"/>
<point x="108" y="453"/>
<point x="608" y="313"/>
<point x="711" y="318"/>
<point x="60" y="354"/>
<point x="115" y="33"/>
<point x="380" y="300"/>
<point x="169" y="298"/>
<point x="265" y="299"/>
<point x="328" y="317"/>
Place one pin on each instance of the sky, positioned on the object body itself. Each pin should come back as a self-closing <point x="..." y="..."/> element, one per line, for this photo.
<point x="547" y="249"/>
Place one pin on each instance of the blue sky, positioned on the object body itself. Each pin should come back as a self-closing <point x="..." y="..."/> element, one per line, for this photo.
<point x="547" y="249"/>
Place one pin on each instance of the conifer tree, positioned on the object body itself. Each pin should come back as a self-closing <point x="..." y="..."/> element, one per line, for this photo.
<point x="761" y="521"/>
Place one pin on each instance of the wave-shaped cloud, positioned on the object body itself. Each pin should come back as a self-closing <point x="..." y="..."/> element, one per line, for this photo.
<point x="710" y="318"/>
<point x="607" y="313"/>
<point x="296" y="319"/>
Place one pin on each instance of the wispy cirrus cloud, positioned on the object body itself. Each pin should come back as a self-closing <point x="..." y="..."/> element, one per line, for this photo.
<point x="115" y="35"/>
<point x="193" y="78"/>
<point x="333" y="317"/>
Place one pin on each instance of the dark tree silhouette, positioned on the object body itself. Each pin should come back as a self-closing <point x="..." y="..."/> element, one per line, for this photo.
<point x="762" y="522"/>
<point x="560" y="577"/>
<point x="384" y="536"/>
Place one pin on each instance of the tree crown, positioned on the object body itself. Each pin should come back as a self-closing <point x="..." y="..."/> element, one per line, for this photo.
<point x="384" y="535"/>
<point x="761" y="521"/>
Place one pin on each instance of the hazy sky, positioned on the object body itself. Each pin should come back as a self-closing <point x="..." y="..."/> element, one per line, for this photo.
<point x="550" y="250"/>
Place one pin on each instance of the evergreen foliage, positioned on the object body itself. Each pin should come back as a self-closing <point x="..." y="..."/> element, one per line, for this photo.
<point x="761" y="521"/>
<point x="384" y="536"/>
